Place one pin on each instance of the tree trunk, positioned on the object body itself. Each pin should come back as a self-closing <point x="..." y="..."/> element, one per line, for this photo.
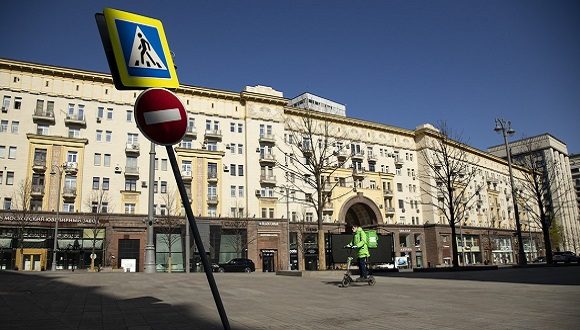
<point x="169" y="263"/>
<point x="547" y="242"/>
<point x="454" y="245"/>
<point x="321" y="250"/>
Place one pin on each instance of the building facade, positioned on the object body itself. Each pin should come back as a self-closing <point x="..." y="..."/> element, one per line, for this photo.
<point x="575" y="170"/>
<point x="70" y="150"/>
<point x="559" y="190"/>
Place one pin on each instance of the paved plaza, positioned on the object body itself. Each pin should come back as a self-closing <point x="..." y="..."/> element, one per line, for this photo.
<point x="510" y="298"/>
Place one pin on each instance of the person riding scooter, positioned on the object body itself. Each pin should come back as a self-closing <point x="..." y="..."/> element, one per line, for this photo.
<point x="359" y="242"/>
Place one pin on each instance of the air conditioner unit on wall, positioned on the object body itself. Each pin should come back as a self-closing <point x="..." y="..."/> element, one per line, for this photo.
<point x="226" y="168"/>
<point x="258" y="193"/>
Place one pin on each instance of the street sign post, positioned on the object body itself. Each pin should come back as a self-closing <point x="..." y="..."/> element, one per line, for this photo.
<point x="137" y="50"/>
<point x="160" y="116"/>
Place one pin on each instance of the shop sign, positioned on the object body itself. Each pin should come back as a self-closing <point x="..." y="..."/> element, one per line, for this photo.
<point x="406" y="249"/>
<point x="49" y="219"/>
<point x="268" y="223"/>
<point x="269" y="235"/>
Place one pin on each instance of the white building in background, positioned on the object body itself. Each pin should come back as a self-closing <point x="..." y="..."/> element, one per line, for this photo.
<point x="314" y="102"/>
<point x="230" y="161"/>
<point x="561" y="192"/>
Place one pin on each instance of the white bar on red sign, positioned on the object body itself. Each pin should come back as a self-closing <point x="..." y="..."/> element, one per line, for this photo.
<point x="162" y="116"/>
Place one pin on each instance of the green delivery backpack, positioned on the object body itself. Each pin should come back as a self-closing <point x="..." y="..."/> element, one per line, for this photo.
<point x="372" y="239"/>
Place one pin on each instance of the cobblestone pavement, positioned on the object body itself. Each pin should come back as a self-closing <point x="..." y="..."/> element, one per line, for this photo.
<point x="528" y="298"/>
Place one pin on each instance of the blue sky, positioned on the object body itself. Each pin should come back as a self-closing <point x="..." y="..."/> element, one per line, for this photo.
<point x="401" y="63"/>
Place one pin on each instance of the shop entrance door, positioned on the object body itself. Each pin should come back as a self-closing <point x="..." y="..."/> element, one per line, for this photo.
<point x="268" y="260"/>
<point x="129" y="249"/>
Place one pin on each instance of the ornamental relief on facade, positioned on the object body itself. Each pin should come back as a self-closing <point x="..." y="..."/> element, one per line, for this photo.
<point x="265" y="113"/>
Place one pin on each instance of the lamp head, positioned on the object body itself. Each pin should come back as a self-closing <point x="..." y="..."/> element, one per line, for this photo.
<point x="497" y="126"/>
<point x="510" y="131"/>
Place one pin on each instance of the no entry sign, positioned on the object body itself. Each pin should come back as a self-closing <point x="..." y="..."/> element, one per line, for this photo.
<point x="160" y="116"/>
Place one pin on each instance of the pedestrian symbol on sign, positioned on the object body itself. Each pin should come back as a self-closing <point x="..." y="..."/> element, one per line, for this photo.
<point x="142" y="54"/>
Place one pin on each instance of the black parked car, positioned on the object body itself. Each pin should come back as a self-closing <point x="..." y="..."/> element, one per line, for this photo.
<point x="565" y="256"/>
<point x="236" y="265"/>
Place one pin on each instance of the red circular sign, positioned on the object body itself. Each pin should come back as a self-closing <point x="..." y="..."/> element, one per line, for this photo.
<point x="160" y="116"/>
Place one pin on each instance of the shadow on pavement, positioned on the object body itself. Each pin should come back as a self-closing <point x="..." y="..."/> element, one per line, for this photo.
<point x="535" y="275"/>
<point x="29" y="301"/>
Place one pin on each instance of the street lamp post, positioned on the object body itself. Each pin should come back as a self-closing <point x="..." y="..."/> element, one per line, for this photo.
<point x="506" y="129"/>
<point x="56" y="168"/>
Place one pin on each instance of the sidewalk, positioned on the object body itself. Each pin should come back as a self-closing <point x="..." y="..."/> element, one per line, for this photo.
<point x="516" y="299"/>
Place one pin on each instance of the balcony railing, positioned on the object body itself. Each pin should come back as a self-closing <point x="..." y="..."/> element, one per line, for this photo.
<point x="71" y="168"/>
<point x="267" y="157"/>
<point x="39" y="165"/>
<point x="341" y="154"/>
<point x="358" y="172"/>
<point x="387" y="193"/>
<point x="271" y="179"/>
<point x="390" y="210"/>
<point x="357" y="155"/>
<point x="43" y="115"/>
<point x="213" y="134"/>
<point x="75" y="119"/>
<point x="190" y="131"/>
<point x="372" y="157"/>
<point x="186" y="175"/>
<point x="132" y="148"/>
<point x="267" y="138"/>
<point x="69" y="192"/>
<point x="212" y="199"/>
<point x="398" y="162"/>
<point x="37" y="190"/>
<point x="132" y="170"/>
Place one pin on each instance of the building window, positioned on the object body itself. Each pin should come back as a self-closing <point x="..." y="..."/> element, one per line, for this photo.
<point x="233" y="191"/>
<point x="164" y="164"/>
<point x="12" y="152"/>
<point x="14" y="128"/>
<point x="130" y="185"/>
<point x="74" y="133"/>
<point x="240" y="128"/>
<point x="163" y="187"/>
<point x="9" y="178"/>
<point x="107" y="160"/>
<point x="97" y="160"/>
<point x="241" y="191"/>
<point x="108" y="136"/>
<point x="68" y="207"/>
<point x="132" y="138"/>
<point x="129" y="208"/>
<point x="100" y="112"/>
<point x="240" y="149"/>
<point x="212" y="211"/>
<point x="109" y="113"/>
<point x="2" y="151"/>
<point x="232" y="127"/>
<point x="96" y="182"/>
<point x="99" y="135"/>
<point x="309" y="217"/>
<point x="271" y="213"/>
<point x="264" y="212"/>
<point x="240" y="170"/>
<point x="7" y="203"/>
<point x="5" y="103"/>
<point x="129" y="116"/>
<point x="105" y="183"/>
<point x="233" y="169"/>
<point x="42" y="129"/>
<point x="401" y="204"/>
<point x="3" y="126"/>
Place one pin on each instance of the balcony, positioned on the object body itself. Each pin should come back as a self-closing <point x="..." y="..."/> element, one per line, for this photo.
<point x="43" y="116"/>
<point x="398" y="162"/>
<point x="37" y="191"/>
<point x="372" y="157"/>
<point x="268" y="179"/>
<point x="39" y="165"/>
<point x="71" y="168"/>
<point x="357" y="155"/>
<point x="213" y="134"/>
<point x="328" y="207"/>
<point x="132" y="171"/>
<point x="191" y="131"/>
<point x="212" y="199"/>
<point x="267" y="158"/>
<point x="387" y="193"/>
<point x="390" y="210"/>
<point x="75" y="119"/>
<point x="186" y="175"/>
<point x="132" y="148"/>
<point x="212" y="176"/>
<point x="69" y="193"/>
<point x="358" y="173"/>
<point x="267" y="138"/>
<point x="341" y="154"/>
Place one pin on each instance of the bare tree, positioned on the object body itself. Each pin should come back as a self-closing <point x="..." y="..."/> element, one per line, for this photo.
<point x="448" y="173"/>
<point x="169" y="223"/>
<point x="539" y="191"/>
<point x="22" y="214"/>
<point x="99" y="202"/>
<point x="315" y="150"/>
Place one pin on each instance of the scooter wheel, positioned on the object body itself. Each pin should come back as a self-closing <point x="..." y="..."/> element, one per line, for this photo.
<point x="372" y="280"/>
<point x="345" y="282"/>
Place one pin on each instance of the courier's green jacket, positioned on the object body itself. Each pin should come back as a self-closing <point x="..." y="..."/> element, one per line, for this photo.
<point x="360" y="241"/>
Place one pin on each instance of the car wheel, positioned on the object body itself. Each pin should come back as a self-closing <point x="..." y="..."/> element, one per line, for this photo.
<point x="247" y="270"/>
<point x="221" y="270"/>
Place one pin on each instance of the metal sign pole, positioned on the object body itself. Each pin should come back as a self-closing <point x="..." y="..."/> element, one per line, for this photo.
<point x="197" y="238"/>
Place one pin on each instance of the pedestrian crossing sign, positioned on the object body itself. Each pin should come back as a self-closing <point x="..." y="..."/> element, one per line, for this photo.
<point x="141" y="51"/>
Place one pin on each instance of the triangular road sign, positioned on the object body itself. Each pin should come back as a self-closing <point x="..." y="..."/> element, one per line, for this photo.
<point x="143" y="55"/>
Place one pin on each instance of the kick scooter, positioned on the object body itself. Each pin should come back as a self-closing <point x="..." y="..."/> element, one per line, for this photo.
<point x="348" y="279"/>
